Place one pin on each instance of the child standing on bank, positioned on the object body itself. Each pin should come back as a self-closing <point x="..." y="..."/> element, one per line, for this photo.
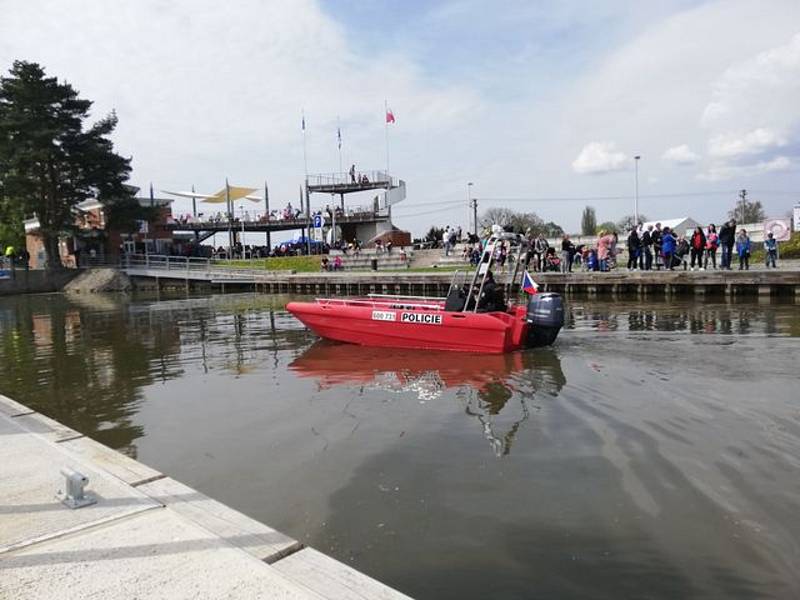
<point x="743" y="250"/>
<point x="771" y="250"/>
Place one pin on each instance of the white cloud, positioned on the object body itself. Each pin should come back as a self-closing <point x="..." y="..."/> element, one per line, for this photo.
<point x="597" y="158"/>
<point x="759" y="92"/>
<point x="681" y="155"/>
<point x="753" y="119"/>
<point x="196" y="106"/>
<point x="753" y="143"/>
<point x="722" y="171"/>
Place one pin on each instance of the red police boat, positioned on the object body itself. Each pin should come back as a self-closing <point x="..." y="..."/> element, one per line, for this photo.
<point x="472" y="318"/>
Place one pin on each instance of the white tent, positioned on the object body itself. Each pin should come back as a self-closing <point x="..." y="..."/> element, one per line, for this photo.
<point x="681" y="225"/>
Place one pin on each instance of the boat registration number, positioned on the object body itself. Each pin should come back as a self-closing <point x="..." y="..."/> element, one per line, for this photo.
<point x="422" y="318"/>
<point x="382" y="315"/>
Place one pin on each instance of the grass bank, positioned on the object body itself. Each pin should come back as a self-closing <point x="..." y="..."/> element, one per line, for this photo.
<point x="300" y="264"/>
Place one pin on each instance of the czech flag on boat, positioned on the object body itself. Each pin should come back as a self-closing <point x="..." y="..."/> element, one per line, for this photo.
<point x="529" y="285"/>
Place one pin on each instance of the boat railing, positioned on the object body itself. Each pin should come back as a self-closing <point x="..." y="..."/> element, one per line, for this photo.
<point x="405" y="297"/>
<point x="398" y="303"/>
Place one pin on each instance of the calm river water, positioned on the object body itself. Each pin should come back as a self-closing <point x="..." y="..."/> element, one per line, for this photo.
<point x="654" y="452"/>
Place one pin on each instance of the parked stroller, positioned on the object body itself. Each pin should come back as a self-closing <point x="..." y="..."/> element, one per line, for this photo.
<point x="681" y="254"/>
<point x="551" y="261"/>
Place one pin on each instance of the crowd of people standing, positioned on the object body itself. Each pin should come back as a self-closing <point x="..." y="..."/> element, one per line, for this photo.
<point x="661" y="247"/>
<point x="650" y="247"/>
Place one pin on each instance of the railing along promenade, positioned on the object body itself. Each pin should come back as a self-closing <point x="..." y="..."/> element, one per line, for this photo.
<point x="264" y="224"/>
<point x="162" y="270"/>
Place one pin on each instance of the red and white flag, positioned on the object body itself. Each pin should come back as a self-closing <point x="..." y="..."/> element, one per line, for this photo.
<point x="389" y="115"/>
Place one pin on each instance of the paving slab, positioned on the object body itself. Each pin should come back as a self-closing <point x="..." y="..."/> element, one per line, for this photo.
<point x="250" y="535"/>
<point x="154" y="555"/>
<point x="29" y="479"/>
<point x="12" y="408"/>
<point x="46" y="427"/>
<point x="127" y="469"/>
<point x="332" y="579"/>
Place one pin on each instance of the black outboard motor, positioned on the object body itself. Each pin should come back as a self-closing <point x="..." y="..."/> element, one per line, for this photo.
<point x="545" y="319"/>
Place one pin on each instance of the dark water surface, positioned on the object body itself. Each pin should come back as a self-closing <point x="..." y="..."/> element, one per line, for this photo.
<point x="654" y="452"/>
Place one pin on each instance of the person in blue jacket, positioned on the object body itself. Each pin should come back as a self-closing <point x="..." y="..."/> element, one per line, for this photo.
<point x="743" y="250"/>
<point x="668" y="243"/>
<point x="771" y="249"/>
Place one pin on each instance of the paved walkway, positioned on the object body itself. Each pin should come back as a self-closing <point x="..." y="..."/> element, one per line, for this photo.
<point x="147" y="536"/>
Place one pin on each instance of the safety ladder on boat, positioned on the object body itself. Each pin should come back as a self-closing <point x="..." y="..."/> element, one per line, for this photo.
<point x="474" y="290"/>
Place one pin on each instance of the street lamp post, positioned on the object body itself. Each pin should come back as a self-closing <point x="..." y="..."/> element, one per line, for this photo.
<point x="636" y="196"/>
<point x="469" y="204"/>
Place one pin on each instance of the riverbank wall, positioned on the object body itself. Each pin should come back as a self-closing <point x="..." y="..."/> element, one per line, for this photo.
<point x="621" y="283"/>
<point x="35" y="281"/>
<point x="145" y="535"/>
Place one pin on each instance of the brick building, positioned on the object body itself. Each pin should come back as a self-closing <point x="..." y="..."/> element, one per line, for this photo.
<point x="94" y="242"/>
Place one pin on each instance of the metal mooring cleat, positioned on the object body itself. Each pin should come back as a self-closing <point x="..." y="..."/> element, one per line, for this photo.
<point x="73" y="495"/>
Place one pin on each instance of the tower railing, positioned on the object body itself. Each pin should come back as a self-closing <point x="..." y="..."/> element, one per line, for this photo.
<point x="349" y="179"/>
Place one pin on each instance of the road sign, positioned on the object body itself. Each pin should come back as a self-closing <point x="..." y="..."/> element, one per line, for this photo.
<point x="319" y="221"/>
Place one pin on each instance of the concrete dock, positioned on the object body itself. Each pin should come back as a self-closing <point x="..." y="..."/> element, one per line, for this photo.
<point x="147" y="535"/>
<point x="756" y="282"/>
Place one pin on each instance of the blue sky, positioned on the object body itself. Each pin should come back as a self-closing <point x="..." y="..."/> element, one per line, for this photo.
<point x="528" y="100"/>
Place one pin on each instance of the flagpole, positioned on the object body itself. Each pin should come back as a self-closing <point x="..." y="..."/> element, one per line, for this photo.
<point x="305" y="151"/>
<point x="266" y="215"/>
<point x="386" y="129"/>
<point x="339" y="138"/>
<point x="229" y="208"/>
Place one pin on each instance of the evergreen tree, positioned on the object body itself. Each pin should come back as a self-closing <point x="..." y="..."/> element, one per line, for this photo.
<point x="48" y="161"/>
<point x="588" y="221"/>
<point x="12" y="231"/>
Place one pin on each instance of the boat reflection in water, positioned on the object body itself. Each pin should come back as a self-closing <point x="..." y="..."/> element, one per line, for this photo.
<point x="495" y="383"/>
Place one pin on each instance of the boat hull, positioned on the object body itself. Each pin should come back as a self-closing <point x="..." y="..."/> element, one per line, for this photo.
<point x="395" y="326"/>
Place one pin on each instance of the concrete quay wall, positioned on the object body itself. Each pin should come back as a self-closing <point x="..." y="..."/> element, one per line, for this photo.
<point x="35" y="281"/>
<point x="347" y="283"/>
<point x="147" y="535"/>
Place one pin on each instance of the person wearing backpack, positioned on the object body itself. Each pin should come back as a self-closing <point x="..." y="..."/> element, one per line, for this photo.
<point x="647" y="247"/>
<point x="712" y="242"/>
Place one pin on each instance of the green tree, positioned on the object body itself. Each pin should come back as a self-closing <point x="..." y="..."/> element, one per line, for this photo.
<point x="588" y="221"/>
<point x="527" y="222"/>
<point x="12" y="231"/>
<point x="608" y="226"/>
<point x="553" y="229"/>
<point x="514" y="221"/>
<point x="749" y="211"/>
<point x="50" y="162"/>
<point x="435" y="234"/>
<point x="498" y="216"/>
<point x="626" y="223"/>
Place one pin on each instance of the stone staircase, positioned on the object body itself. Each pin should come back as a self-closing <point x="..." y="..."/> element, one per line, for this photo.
<point x="363" y="261"/>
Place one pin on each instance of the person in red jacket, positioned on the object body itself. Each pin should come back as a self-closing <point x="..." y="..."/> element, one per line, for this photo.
<point x="698" y="245"/>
